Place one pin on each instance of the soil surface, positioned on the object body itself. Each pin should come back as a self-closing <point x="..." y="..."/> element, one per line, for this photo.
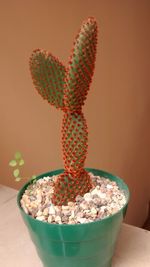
<point x="103" y="200"/>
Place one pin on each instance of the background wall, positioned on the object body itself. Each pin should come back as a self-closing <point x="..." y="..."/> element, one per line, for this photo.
<point x="118" y="104"/>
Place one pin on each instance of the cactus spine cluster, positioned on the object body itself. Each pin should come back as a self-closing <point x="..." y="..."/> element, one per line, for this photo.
<point x="66" y="88"/>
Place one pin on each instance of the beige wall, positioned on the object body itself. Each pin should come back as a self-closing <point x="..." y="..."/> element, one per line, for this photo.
<point x="118" y="104"/>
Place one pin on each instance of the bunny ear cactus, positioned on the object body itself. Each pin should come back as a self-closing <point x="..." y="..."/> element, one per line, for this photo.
<point x="66" y="89"/>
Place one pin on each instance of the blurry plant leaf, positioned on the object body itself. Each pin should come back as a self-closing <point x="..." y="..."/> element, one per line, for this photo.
<point x="18" y="155"/>
<point x="33" y="177"/>
<point x="16" y="172"/>
<point x="18" y="179"/>
<point x="13" y="163"/>
<point x="21" y="162"/>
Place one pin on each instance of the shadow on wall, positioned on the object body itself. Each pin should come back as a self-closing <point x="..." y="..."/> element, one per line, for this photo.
<point x="137" y="168"/>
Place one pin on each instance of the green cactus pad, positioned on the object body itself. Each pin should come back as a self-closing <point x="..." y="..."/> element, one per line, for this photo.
<point x="48" y="76"/>
<point x="81" y="65"/>
<point x="74" y="141"/>
<point x="68" y="186"/>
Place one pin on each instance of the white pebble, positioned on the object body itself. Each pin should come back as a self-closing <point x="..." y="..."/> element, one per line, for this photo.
<point x="101" y="195"/>
<point x="93" y="211"/>
<point x="109" y="186"/>
<point x="52" y="210"/>
<point x="81" y="220"/>
<point x="87" y="197"/>
<point x="40" y="218"/>
<point x="58" y="219"/>
<point x="39" y="213"/>
<point x="45" y="212"/>
<point x="50" y="218"/>
<point x="103" y="208"/>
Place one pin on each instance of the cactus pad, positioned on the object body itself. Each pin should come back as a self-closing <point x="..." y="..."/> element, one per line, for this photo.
<point x="68" y="186"/>
<point x="81" y="65"/>
<point x="48" y="76"/>
<point x="74" y="141"/>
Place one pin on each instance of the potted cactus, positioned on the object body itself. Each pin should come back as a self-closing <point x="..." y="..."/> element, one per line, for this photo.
<point x="66" y="210"/>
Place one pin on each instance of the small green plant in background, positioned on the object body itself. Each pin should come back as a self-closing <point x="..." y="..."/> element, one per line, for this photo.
<point x="16" y="164"/>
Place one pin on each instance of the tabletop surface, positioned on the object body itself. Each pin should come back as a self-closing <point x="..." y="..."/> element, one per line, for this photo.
<point x="17" y="250"/>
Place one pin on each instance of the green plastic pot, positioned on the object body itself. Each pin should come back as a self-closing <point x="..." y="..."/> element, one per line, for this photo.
<point x="77" y="245"/>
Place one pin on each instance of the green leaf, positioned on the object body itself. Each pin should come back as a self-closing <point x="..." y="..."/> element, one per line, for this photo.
<point x="16" y="172"/>
<point x="13" y="163"/>
<point x="18" y="179"/>
<point x="33" y="177"/>
<point x="21" y="162"/>
<point x="34" y="181"/>
<point x="18" y="155"/>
